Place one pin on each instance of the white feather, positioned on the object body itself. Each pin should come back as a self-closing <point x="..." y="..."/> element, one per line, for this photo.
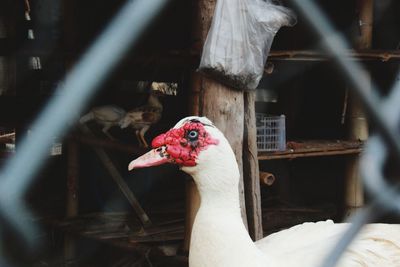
<point x="219" y="238"/>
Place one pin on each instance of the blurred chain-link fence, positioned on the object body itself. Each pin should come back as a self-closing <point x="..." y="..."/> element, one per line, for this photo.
<point x="97" y="63"/>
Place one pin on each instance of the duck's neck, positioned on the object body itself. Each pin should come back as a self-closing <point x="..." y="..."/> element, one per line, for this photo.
<point x="217" y="198"/>
<point x="219" y="237"/>
<point x="217" y="179"/>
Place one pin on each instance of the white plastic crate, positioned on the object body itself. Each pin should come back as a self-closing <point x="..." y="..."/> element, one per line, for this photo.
<point x="271" y="133"/>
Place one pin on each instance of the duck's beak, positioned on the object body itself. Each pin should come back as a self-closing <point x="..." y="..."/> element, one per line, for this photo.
<point x="154" y="157"/>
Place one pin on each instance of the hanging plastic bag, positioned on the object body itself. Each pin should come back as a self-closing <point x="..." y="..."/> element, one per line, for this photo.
<point x="239" y="40"/>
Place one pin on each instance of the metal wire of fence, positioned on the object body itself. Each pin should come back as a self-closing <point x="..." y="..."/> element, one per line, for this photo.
<point x="63" y="109"/>
<point x="384" y="114"/>
<point x="107" y="51"/>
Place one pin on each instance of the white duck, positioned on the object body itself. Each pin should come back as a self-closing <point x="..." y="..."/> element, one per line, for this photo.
<point x="219" y="237"/>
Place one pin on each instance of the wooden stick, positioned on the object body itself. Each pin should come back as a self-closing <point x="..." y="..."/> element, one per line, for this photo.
<point x="112" y="170"/>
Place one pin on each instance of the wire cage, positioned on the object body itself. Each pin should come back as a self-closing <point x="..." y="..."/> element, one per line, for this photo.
<point x="271" y="133"/>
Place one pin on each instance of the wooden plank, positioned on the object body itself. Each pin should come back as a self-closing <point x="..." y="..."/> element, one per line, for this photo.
<point x="250" y="169"/>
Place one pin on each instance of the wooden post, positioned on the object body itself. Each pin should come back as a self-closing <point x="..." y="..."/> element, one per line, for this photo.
<point x="225" y="107"/>
<point x="72" y="209"/>
<point x="251" y="176"/>
<point x="221" y="104"/>
<point x="72" y="196"/>
<point x="357" y="119"/>
<point x="192" y="206"/>
<point x="192" y="194"/>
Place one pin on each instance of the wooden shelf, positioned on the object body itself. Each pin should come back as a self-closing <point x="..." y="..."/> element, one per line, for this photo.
<point x="315" y="148"/>
<point x="311" y="55"/>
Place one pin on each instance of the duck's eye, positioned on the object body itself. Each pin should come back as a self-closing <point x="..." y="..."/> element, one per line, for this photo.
<point x="192" y="135"/>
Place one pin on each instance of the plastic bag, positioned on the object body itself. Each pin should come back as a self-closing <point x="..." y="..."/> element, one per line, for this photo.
<point x="239" y="40"/>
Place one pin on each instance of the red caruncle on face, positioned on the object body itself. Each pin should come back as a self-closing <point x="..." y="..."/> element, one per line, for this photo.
<point x="183" y="145"/>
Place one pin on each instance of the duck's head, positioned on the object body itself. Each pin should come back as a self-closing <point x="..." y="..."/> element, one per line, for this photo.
<point x="196" y="146"/>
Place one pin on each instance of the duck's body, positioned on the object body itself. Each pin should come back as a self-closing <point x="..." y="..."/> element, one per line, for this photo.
<point x="309" y="243"/>
<point x="219" y="237"/>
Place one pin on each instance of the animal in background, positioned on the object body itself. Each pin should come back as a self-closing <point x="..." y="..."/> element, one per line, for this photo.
<point x="141" y="118"/>
<point x="107" y="116"/>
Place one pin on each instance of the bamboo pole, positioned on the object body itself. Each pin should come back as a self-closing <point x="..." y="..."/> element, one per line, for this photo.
<point x="357" y="119"/>
<point x="267" y="178"/>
